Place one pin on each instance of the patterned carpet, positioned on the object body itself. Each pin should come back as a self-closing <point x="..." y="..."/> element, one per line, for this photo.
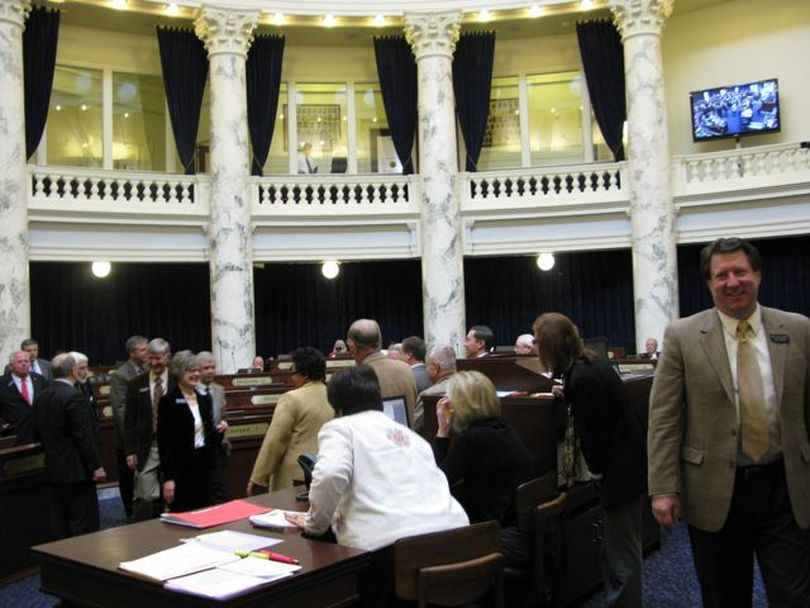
<point x="669" y="576"/>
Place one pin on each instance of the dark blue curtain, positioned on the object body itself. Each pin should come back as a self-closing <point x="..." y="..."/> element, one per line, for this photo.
<point x="39" y="60"/>
<point x="785" y="275"/>
<point x="185" y="69"/>
<point x="595" y="289"/>
<point x="96" y="316"/>
<point x="472" y="84"/>
<point x="602" y="53"/>
<point x="396" y="69"/>
<point x="297" y="306"/>
<point x="263" y="83"/>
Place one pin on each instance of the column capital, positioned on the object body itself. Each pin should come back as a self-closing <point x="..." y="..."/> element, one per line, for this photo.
<point x="14" y="12"/>
<point x="640" y="16"/>
<point x="432" y="33"/>
<point x="225" y="30"/>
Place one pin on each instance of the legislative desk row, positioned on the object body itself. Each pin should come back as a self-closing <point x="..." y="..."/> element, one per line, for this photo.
<point x="539" y="419"/>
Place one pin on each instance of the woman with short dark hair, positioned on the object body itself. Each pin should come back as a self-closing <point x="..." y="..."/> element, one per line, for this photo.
<point x="375" y="480"/>
<point x="299" y="415"/>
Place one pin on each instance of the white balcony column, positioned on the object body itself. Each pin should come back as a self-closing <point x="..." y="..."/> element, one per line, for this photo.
<point x="433" y="38"/>
<point x="652" y="214"/>
<point x="227" y="35"/>
<point x="15" y="302"/>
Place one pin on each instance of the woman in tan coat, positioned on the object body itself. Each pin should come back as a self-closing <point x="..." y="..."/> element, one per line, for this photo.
<point x="299" y="415"/>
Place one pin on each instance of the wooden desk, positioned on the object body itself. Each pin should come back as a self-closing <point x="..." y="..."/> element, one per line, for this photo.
<point x="83" y="570"/>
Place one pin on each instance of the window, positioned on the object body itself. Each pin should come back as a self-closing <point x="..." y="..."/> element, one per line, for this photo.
<point x="74" y="128"/>
<point x="139" y="122"/>
<point x="555" y="118"/>
<point x="501" y="146"/>
<point x="375" y="147"/>
<point x="322" y="122"/>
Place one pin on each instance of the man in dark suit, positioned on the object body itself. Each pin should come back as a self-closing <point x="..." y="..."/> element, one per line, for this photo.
<point x="134" y="366"/>
<point x="65" y="426"/>
<point x="413" y="353"/>
<point x="728" y="435"/>
<point x="38" y="366"/>
<point x="143" y="394"/>
<point x="479" y="342"/>
<point x="18" y="388"/>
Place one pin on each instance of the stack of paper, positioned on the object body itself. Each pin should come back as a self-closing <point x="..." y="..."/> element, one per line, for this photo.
<point x="273" y="520"/>
<point x="179" y="561"/>
<point x="232" y="579"/>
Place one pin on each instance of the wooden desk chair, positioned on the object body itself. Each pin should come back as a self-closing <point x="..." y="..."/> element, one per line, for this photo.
<point x="538" y="504"/>
<point x="450" y="568"/>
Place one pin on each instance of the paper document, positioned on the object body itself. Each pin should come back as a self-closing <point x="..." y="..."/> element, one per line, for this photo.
<point x="274" y="520"/>
<point x="178" y="561"/>
<point x="264" y="568"/>
<point x="231" y="540"/>
<point x="215" y="584"/>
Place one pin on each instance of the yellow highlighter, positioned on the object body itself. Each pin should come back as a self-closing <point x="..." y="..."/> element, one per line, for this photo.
<point x="252" y="554"/>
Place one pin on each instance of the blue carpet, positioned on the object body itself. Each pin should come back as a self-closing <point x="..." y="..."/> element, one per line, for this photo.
<point x="669" y="575"/>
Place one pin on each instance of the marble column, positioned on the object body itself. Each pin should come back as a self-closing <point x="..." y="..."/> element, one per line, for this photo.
<point x="433" y="37"/>
<point x="227" y="35"/>
<point x="15" y="305"/>
<point x="652" y="214"/>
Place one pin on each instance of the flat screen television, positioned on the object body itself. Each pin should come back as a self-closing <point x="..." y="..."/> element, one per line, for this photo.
<point x="733" y="111"/>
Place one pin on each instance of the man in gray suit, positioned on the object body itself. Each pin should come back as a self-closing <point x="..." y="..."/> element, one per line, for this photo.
<point x="728" y="435"/>
<point x="413" y="353"/>
<point x="135" y="365"/>
<point x="220" y="451"/>
<point x="441" y="364"/>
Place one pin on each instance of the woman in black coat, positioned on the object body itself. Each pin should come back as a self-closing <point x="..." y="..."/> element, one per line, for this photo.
<point x="186" y="435"/>
<point x="612" y="441"/>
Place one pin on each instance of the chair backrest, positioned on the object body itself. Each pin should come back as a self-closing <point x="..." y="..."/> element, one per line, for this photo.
<point x="530" y="495"/>
<point x="449" y="568"/>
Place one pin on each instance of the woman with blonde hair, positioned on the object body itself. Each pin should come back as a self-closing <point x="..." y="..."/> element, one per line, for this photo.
<point x="612" y="440"/>
<point x="485" y="461"/>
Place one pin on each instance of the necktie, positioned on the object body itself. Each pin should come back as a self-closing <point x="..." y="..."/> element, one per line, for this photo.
<point x="752" y="395"/>
<point x="24" y="390"/>
<point x="156" y="395"/>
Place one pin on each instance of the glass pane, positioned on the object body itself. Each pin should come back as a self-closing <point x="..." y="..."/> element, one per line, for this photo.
<point x="139" y="122"/>
<point x="74" y="127"/>
<point x="601" y="151"/>
<point x="501" y="147"/>
<point x="375" y="148"/>
<point x="555" y="118"/>
<point x="321" y="127"/>
<point x="278" y="158"/>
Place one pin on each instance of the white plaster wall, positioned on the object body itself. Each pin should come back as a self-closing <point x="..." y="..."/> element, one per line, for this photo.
<point x="737" y="42"/>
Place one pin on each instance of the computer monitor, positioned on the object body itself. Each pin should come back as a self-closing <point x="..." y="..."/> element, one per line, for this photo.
<point x="396" y="408"/>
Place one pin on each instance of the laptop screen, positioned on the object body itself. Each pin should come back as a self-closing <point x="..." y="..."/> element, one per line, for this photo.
<point x="396" y="409"/>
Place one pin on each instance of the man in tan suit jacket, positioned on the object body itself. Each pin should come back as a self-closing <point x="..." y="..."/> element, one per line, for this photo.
<point x="737" y="501"/>
<point x="297" y="419"/>
<point x="395" y="376"/>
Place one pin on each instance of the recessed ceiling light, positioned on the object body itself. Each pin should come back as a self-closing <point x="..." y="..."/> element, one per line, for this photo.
<point x="329" y="20"/>
<point x="586" y="5"/>
<point x="379" y="21"/>
<point x="535" y="10"/>
<point x="83" y="107"/>
<point x="119" y="4"/>
<point x="58" y="108"/>
<point x="279" y="19"/>
<point x="484" y="15"/>
<point x="172" y="9"/>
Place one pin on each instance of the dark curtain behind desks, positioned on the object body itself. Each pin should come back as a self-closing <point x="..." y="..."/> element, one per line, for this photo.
<point x="185" y="68"/>
<point x="602" y="53"/>
<point x="396" y="69"/>
<point x="472" y="84"/>
<point x="73" y="310"/>
<point x="40" y="37"/>
<point x="785" y="275"/>
<point x="263" y="83"/>
<point x="297" y="306"/>
<point x="594" y="289"/>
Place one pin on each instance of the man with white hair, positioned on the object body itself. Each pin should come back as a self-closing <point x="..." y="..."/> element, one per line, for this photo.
<point x="524" y="345"/>
<point x="83" y="384"/>
<point x="441" y="364"/>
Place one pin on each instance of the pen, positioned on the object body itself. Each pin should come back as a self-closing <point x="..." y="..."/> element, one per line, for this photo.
<point x="278" y="557"/>
<point x="259" y="554"/>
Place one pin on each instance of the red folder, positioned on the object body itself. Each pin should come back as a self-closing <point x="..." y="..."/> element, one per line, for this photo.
<point x="214" y="516"/>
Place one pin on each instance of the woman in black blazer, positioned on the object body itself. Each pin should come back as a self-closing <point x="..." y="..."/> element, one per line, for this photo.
<point x="186" y="435"/>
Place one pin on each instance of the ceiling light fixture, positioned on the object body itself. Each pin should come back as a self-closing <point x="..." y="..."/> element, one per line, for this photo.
<point x="379" y="21"/>
<point x="535" y="10"/>
<point x="545" y="261"/>
<point x="172" y="9"/>
<point x="119" y="4"/>
<point x="329" y="20"/>
<point x="484" y="15"/>
<point x="279" y="19"/>
<point x="586" y="5"/>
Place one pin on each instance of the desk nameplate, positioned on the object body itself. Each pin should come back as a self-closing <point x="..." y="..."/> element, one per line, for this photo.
<point x="253" y="381"/>
<point x="255" y="429"/>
